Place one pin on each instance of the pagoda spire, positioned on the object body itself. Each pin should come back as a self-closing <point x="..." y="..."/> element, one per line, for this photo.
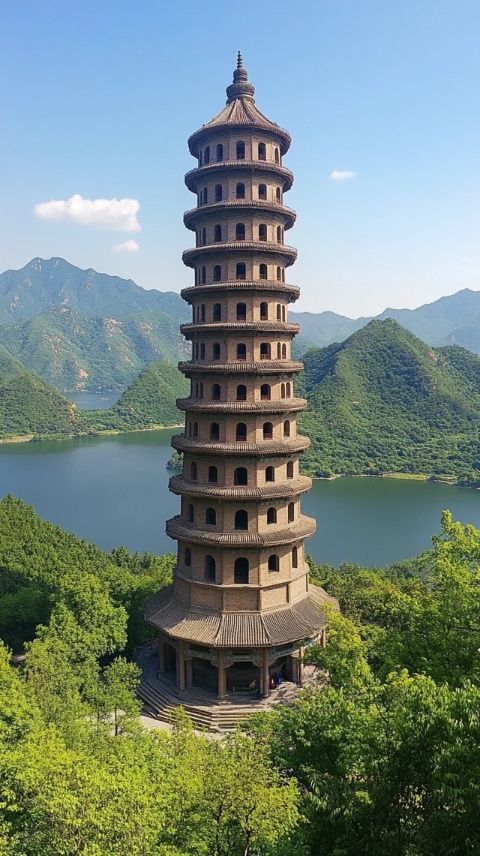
<point x="241" y="86"/>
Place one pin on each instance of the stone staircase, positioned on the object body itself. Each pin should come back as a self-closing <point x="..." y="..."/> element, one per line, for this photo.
<point x="160" y="698"/>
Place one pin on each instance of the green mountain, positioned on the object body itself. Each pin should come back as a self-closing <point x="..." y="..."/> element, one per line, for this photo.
<point x="452" y="320"/>
<point x="55" y="283"/>
<point x="149" y="400"/>
<point x="384" y="401"/>
<point x="28" y="405"/>
<point x="73" y="351"/>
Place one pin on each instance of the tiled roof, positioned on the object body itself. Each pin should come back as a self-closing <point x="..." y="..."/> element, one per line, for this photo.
<point x="238" y="629"/>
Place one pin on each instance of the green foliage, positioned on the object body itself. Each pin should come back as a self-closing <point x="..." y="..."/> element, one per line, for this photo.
<point x="383" y="401"/>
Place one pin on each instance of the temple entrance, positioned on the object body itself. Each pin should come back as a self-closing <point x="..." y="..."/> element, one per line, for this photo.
<point x="204" y="674"/>
<point x="170" y="660"/>
<point x="243" y="677"/>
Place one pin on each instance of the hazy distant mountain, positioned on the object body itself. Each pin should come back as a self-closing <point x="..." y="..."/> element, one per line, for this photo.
<point x="56" y="284"/>
<point x="84" y="330"/>
<point x="451" y="320"/>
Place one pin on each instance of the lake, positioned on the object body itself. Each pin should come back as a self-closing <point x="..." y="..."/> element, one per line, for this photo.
<point x="113" y="490"/>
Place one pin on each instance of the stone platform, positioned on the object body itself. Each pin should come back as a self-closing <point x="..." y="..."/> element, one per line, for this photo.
<point x="160" y="697"/>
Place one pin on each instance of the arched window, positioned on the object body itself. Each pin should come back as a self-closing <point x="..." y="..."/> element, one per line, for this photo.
<point x="241" y="270"/>
<point x="190" y="514"/>
<point x="204" y="275"/>
<point x="241" y="351"/>
<point x="283" y="274"/>
<point x="241" y="431"/>
<point x="282" y="391"/>
<point x="241" y="520"/>
<point x="216" y="392"/>
<point x="284" y="352"/>
<point x="193" y="471"/>
<point x="210" y="569"/>
<point x="195" y="429"/>
<point x="206" y="155"/>
<point x="216" y="350"/>
<point x="290" y="470"/>
<point x="214" y="431"/>
<point x="262" y="191"/>
<point x="219" y="152"/>
<point x="217" y="312"/>
<point x="262" y="232"/>
<point x="240" y="150"/>
<point x="211" y="516"/>
<point x="205" y="195"/>
<point x="264" y="311"/>
<point x="279" y="312"/>
<point x="277" y="156"/>
<point x="204" y="235"/>
<point x="270" y="474"/>
<point x="273" y="563"/>
<point x="240" y="190"/>
<point x="263" y="271"/>
<point x="241" y="311"/>
<point x="217" y="233"/>
<point x="279" y="273"/>
<point x="271" y="515"/>
<point x="294" y="557"/>
<point x="240" y="476"/>
<point x="202" y="312"/>
<point x="262" y="151"/>
<point x="284" y="313"/>
<point x="286" y="428"/>
<point x="212" y="474"/>
<point x="187" y="559"/>
<point x="218" y="193"/>
<point x="279" y="350"/>
<point x="267" y="430"/>
<point x="278" y="195"/>
<point x="240" y="232"/>
<point x="265" y="392"/>
<point x="240" y="572"/>
<point x="241" y="392"/>
<point x="291" y="512"/>
<point x="279" y="234"/>
<point x="289" y="390"/>
<point x="265" y="351"/>
<point x="217" y="273"/>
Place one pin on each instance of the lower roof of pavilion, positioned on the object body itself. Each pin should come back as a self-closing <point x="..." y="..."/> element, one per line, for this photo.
<point x="301" y="620"/>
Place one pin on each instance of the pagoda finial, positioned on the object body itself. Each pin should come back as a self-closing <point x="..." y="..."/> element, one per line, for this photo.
<point x="241" y="87"/>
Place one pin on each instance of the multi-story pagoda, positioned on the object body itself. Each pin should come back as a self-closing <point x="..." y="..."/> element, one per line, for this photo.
<point x="241" y="609"/>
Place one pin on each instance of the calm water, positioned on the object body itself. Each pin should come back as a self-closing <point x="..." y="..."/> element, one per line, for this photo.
<point x="93" y="400"/>
<point x="113" y="490"/>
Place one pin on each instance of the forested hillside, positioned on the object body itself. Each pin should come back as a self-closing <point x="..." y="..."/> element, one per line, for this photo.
<point x="149" y="400"/>
<point x="28" y="405"/>
<point x="384" y="401"/>
<point x="379" y="756"/>
<point x="85" y="330"/>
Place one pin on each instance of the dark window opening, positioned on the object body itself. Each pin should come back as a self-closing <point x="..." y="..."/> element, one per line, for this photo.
<point x="267" y="431"/>
<point x="240" y="151"/>
<point x="294" y="557"/>
<point x="216" y="351"/>
<point x="265" y="392"/>
<point x="262" y="191"/>
<point x="290" y="470"/>
<point x="291" y="512"/>
<point x="212" y="474"/>
<point x="263" y="272"/>
<point x="187" y="557"/>
<point x="241" y="352"/>
<point x="240" y="476"/>
<point x="219" y="152"/>
<point x="240" y="573"/>
<point x="216" y="392"/>
<point x="272" y="515"/>
<point x="241" y="520"/>
<point x="273" y="563"/>
<point x="210" y="567"/>
<point x="286" y="428"/>
<point x="264" y="312"/>
<point x="217" y="233"/>
<point x="240" y="190"/>
<point x="241" y="392"/>
<point x="210" y="516"/>
<point x="218" y="193"/>
<point x="241" y="431"/>
<point x="217" y="312"/>
<point x="265" y="351"/>
<point x="217" y="273"/>
<point x="262" y="152"/>
<point x="240" y="232"/>
<point x="262" y="232"/>
<point x="270" y="474"/>
<point x="206" y="155"/>
<point x="214" y="431"/>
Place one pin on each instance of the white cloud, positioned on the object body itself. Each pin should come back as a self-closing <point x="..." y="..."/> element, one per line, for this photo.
<point x="342" y="174"/>
<point x="118" y="214"/>
<point x="126" y="247"/>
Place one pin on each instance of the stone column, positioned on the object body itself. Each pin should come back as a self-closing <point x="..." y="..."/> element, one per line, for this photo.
<point x="300" y="666"/>
<point x="189" y="673"/>
<point x="180" y="668"/>
<point x="161" y="655"/>
<point x="221" y="674"/>
<point x="265" y="676"/>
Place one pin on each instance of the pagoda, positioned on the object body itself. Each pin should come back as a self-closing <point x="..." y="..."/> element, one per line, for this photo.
<point x="241" y="610"/>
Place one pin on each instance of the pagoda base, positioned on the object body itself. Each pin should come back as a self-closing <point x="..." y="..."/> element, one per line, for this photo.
<point x="161" y="696"/>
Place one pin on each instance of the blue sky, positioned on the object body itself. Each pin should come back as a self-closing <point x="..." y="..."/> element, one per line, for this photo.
<point x="98" y="99"/>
